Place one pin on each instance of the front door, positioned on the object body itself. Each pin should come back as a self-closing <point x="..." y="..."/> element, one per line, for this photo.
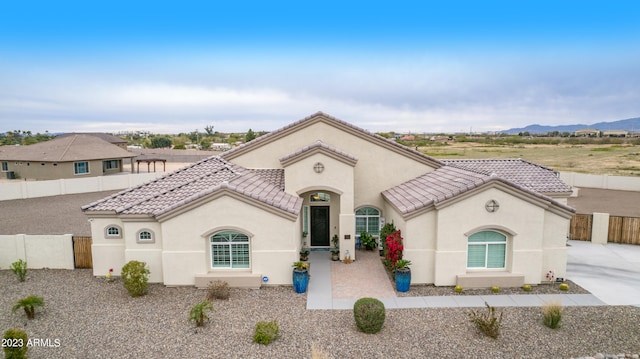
<point x="319" y="226"/>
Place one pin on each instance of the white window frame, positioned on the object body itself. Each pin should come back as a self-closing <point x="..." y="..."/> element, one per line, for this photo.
<point x="107" y="233"/>
<point x="76" y="168"/>
<point x="151" y="239"/>
<point x="367" y="218"/>
<point x="486" y="245"/>
<point x="229" y="248"/>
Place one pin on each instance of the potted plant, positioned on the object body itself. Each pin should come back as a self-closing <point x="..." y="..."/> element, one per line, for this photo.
<point x="300" y="276"/>
<point x="367" y="241"/>
<point x="403" y="275"/>
<point x="335" y="250"/>
<point x="304" y="254"/>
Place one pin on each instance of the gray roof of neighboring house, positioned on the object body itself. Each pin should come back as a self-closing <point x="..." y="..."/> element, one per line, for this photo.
<point x="445" y="183"/>
<point x="65" y="149"/>
<point x="523" y="173"/>
<point x="101" y="135"/>
<point x="198" y="180"/>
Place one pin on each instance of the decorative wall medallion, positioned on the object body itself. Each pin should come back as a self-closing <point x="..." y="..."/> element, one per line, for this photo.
<point x="492" y="206"/>
<point x="318" y="167"/>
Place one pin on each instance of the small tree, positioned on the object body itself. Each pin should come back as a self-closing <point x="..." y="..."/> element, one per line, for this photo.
<point x="250" y="136"/>
<point x="20" y="269"/>
<point x="198" y="313"/>
<point x="29" y="304"/>
<point x="160" y="142"/>
<point x="135" y="276"/>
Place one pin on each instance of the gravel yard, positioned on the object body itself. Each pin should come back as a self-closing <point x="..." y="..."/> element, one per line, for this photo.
<point x="96" y="319"/>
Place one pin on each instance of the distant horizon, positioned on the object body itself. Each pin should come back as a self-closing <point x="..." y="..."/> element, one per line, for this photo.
<point x="406" y="67"/>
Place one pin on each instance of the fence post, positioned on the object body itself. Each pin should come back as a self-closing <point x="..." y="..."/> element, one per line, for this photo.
<point x="600" y="228"/>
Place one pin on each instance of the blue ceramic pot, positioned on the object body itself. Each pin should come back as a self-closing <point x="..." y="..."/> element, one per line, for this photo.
<point x="403" y="280"/>
<point x="300" y="280"/>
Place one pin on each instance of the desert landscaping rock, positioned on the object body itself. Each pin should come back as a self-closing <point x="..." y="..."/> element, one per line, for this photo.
<point x="93" y="318"/>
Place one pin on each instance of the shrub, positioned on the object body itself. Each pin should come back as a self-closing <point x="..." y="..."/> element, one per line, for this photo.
<point x="367" y="240"/>
<point x="369" y="314"/>
<point x="564" y="286"/>
<point x="552" y="314"/>
<point x="218" y="290"/>
<point x="495" y="289"/>
<point x="20" y="269"/>
<point x="15" y="344"/>
<point x="526" y="287"/>
<point x="457" y="289"/>
<point x="394" y="249"/>
<point x="29" y="304"/>
<point x="386" y="230"/>
<point x="199" y="311"/>
<point x="266" y="332"/>
<point x="487" y="323"/>
<point x="135" y="276"/>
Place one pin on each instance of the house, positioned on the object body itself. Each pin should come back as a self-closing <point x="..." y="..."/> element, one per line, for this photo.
<point x="244" y="215"/>
<point x="615" y="133"/>
<point x="73" y="156"/>
<point x="114" y="140"/>
<point x="587" y="132"/>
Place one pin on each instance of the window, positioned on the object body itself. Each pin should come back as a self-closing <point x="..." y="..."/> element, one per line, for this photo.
<point x="368" y="220"/>
<point x="486" y="250"/>
<point x="229" y="249"/>
<point x="320" y="197"/>
<point x="110" y="164"/>
<point x="80" y="168"/>
<point x="5" y="166"/>
<point x="145" y="236"/>
<point x="113" y="232"/>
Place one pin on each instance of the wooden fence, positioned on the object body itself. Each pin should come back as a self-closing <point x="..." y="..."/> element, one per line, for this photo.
<point x="580" y="227"/>
<point x="82" y="252"/>
<point x="624" y="230"/>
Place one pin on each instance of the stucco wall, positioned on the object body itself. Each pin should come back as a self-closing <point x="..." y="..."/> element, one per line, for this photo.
<point x="39" y="251"/>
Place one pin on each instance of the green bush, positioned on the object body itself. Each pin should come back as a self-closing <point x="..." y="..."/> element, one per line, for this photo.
<point x="564" y="286"/>
<point x="135" y="276"/>
<point x="495" y="289"/>
<point x="199" y="311"/>
<point x="526" y="287"/>
<point x="457" y="289"/>
<point x="367" y="241"/>
<point x="487" y="323"/>
<point x="29" y="304"/>
<point x="369" y="314"/>
<point x="266" y="332"/>
<point x="20" y="269"/>
<point x="218" y="290"/>
<point x="552" y="314"/>
<point x="15" y="344"/>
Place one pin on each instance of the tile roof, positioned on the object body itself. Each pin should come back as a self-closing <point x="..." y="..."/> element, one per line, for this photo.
<point x="523" y="173"/>
<point x="65" y="149"/>
<point x="101" y="135"/>
<point x="202" y="178"/>
<point x="450" y="181"/>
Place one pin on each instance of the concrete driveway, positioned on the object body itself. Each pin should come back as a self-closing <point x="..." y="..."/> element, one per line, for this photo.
<point x="610" y="271"/>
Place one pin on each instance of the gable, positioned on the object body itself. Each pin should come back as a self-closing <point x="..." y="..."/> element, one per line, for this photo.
<point x="267" y="150"/>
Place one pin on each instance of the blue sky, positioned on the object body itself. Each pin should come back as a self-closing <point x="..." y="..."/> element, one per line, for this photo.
<point x="450" y="66"/>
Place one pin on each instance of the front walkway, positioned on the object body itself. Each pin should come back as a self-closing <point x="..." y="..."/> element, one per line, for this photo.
<point x="335" y="285"/>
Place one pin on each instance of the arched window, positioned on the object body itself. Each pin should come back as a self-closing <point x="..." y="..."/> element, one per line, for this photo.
<point x="486" y="250"/>
<point x="229" y="249"/>
<point x="113" y="231"/>
<point x="320" y="197"/>
<point x="145" y="236"/>
<point x="368" y="220"/>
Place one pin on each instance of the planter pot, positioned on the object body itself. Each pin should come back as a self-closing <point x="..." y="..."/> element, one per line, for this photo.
<point x="304" y="257"/>
<point x="300" y="280"/>
<point x="403" y="280"/>
<point x="335" y="256"/>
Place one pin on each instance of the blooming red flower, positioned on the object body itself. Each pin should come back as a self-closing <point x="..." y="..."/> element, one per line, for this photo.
<point x="394" y="248"/>
<point x="110" y="270"/>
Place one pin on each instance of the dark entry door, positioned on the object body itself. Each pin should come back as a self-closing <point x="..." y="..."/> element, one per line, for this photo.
<point x="320" y="226"/>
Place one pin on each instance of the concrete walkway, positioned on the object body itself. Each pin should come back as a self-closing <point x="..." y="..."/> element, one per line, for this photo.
<point x="610" y="272"/>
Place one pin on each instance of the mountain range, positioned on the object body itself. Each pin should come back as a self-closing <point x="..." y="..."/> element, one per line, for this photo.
<point x="630" y="124"/>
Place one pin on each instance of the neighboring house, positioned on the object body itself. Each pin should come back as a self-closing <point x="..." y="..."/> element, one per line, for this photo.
<point x="240" y="216"/>
<point x="78" y="155"/>
<point x="114" y="140"/>
<point x="587" y="132"/>
<point x="615" y="133"/>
